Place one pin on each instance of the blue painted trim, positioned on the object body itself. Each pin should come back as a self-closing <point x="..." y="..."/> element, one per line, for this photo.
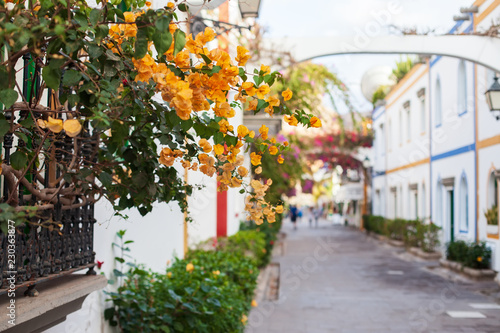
<point x="454" y="152"/>
<point x="461" y="114"/>
<point x="433" y="62"/>
<point x="378" y="174"/>
<point x="452" y="30"/>
<point x="378" y="116"/>
<point x="439" y="125"/>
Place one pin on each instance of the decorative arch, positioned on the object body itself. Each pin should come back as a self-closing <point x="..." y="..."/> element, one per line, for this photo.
<point x="482" y="50"/>
<point x="492" y="188"/>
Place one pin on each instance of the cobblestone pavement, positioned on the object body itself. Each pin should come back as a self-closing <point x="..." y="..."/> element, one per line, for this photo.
<point x="336" y="279"/>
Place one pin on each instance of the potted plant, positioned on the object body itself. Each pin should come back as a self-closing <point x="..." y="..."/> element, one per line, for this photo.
<point x="492" y="220"/>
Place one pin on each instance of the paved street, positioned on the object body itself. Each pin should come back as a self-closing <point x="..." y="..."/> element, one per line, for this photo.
<point x="335" y="279"/>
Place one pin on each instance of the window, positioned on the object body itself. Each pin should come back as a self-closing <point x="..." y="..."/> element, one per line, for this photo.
<point x="422" y="114"/>
<point x="400" y="127"/>
<point x="464" y="205"/>
<point x="462" y="88"/>
<point x="439" y="103"/>
<point x="381" y="140"/>
<point x="492" y="191"/>
<point x="407" y="108"/>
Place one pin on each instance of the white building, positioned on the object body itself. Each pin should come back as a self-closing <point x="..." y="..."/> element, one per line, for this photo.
<point x="437" y="145"/>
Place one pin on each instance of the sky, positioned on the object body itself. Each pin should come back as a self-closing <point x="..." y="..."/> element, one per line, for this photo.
<point x="318" y="18"/>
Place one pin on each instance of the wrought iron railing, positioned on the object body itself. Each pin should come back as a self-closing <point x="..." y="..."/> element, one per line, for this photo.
<point x="58" y="239"/>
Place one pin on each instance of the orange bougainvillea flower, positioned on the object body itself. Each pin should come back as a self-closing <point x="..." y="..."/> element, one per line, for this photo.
<point x="315" y="122"/>
<point x="287" y="94"/>
<point x="72" y="127"/>
<point x="265" y="69"/>
<point x="219" y="149"/>
<point x="242" y="56"/>
<point x="249" y="87"/>
<point x="281" y="159"/>
<point x="170" y="5"/>
<point x="205" y="145"/>
<point x="255" y="159"/>
<point x="279" y="209"/>
<point x="242" y="171"/>
<point x="254" y="303"/>
<point x="273" y="150"/>
<point x="243" y="131"/>
<point x="189" y="267"/>
<point x="291" y="120"/>
<point x="54" y="125"/>
<point x="263" y="130"/>
<point x="262" y="91"/>
<point x="258" y="170"/>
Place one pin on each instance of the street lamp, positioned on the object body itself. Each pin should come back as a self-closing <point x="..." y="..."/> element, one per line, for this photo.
<point x="493" y="98"/>
<point x="366" y="162"/>
<point x="249" y="8"/>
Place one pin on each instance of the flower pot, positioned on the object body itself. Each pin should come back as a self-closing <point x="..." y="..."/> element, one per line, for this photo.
<point x="491" y="229"/>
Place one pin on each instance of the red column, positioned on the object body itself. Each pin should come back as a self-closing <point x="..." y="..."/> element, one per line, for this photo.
<point x="221" y="214"/>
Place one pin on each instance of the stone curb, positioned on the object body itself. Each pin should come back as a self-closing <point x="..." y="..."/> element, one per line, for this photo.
<point x="472" y="273"/>
<point x="424" y="255"/>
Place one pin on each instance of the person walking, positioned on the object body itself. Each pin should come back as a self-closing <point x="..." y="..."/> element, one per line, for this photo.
<point x="318" y="212"/>
<point x="294" y="214"/>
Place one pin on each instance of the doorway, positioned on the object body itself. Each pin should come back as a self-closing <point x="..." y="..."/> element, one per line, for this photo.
<point x="450" y="216"/>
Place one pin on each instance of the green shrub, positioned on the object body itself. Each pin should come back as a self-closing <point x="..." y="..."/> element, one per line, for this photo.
<point x="376" y="224"/>
<point x="270" y="232"/>
<point x="212" y="297"/>
<point x="457" y="251"/>
<point x="478" y="256"/>
<point x="413" y="234"/>
<point x="207" y="291"/>
<point x="250" y="243"/>
<point x="430" y="239"/>
<point x="396" y="229"/>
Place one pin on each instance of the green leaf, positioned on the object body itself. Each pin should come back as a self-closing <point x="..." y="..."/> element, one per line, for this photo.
<point x="109" y="313"/>
<point x="94" y="51"/>
<point x="206" y="59"/>
<point x="141" y="44"/>
<point x="179" y="41"/>
<point x="8" y="97"/>
<point x="243" y="75"/>
<point x="81" y="19"/>
<point x="162" y="41"/>
<point x="19" y="160"/>
<point x="52" y="76"/>
<point x="4" y="126"/>
<point x="94" y="16"/>
<point x="71" y="77"/>
<point x="163" y="23"/>
<point x="183" y="7"/>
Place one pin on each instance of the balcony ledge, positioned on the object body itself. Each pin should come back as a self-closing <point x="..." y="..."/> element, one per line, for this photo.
<point x="57" y="299"/>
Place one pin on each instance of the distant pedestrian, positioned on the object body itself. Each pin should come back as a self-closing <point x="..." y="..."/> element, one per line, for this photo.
<point x="294" y="214"/>
<point x="318" y="212"/>
<point x="310" y="216"/>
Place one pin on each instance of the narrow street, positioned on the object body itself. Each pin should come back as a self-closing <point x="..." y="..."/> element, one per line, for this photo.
<point x="336" y="279"/>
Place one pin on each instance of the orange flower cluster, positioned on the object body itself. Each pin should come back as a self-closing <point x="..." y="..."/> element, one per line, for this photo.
<point x="257" y="207"/>
<point x="204" y="86"/>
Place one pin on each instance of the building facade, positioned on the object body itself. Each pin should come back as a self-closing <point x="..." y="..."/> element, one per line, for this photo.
<point x="437" y="145"/>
